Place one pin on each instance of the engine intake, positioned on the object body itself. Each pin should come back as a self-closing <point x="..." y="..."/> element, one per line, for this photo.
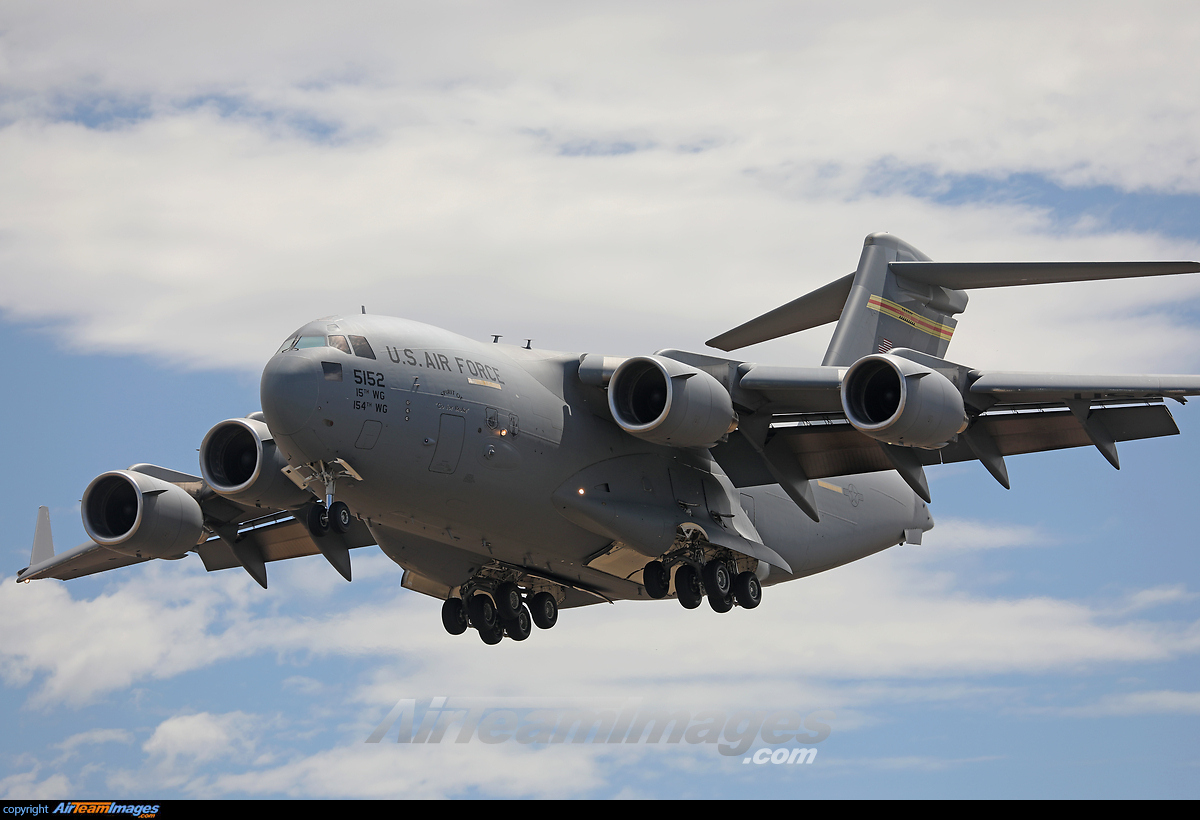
<point x="239" y="460"/>
<point x="667" y="402"/>
<point x="897" y="401"/>
<point x="136" y="514"/>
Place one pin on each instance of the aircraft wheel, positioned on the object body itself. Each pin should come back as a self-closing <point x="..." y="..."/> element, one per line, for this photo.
<point x="483" y="613"/>
<point x="339" y="517"/>
<point x="656" y="580"/>
<point x="545" y="610"/>
<point x="747" y="591"/>
<point x="519" y="627"/>
<point x="492" y="636"/>
<point x="454" y="616"/>
<point x="716" y="579"/>
<point x="508" y="601"/>
<point x="687" y="587"/>
<point x="317" y="520"/>
<point x="722" y="603"/>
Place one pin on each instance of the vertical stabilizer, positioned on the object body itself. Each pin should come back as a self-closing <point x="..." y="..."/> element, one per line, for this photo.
<point x="43" y="542"/>
<point x="885" y="310"/>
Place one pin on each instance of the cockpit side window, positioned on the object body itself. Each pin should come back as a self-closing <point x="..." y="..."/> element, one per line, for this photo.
<point x="362" y="347"/>
<point x="340" y="343"/>
<point x="288" y="345"/>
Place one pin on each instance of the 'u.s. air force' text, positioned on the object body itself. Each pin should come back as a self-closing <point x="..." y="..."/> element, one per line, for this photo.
<point x="440" y="361"/>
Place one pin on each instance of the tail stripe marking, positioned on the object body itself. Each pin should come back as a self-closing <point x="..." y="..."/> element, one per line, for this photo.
<point x="916" y="320"/>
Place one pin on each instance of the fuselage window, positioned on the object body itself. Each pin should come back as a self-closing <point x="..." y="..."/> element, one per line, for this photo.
<point x="340" y="343"/>
<point x="310" y="341"/>
<point x="362" y="347"/>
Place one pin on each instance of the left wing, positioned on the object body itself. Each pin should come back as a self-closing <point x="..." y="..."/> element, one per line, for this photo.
<point x="794" y="427"/>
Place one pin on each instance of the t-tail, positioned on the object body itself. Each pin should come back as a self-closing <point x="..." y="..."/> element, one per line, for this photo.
<point x="900" y="298"/>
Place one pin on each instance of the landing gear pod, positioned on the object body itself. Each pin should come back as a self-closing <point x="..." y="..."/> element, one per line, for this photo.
<point x="667" y="402"/>
<point x="144" y="517"/>
<point x="901" y="402"/>
<point x="239" y="460"/>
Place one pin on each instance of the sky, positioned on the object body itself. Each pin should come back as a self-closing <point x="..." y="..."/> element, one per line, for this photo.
<point x="182" y="185"/>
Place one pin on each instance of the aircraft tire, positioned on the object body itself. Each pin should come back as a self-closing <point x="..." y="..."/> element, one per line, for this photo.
<point x="454" y="616"/>
<point x="519" y="627"/>
<point x="656" y="580"/>
<point x="339" y="517"/>
<point x="492" y="636"/>
<point x="544" y="610"/>
<point x="317" y="520"/>
<point x="747" y="591"/>
<point x="687" y="587"/>
<point x="717" y="580"/>
<point x="508" y="601"/>
<point x="483" y="613"/>
<point x="722" y="603"/>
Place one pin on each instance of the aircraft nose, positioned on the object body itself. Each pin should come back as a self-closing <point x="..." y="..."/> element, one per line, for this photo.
<point x="289" y="391"/>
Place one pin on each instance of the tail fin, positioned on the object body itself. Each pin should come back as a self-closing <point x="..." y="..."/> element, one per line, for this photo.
<point x="43" y="542"/>
<point x="899" y="297"/>
<point x="884" y="310"/>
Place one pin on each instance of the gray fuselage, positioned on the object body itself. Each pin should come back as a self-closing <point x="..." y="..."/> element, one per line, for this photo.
<point x="473" y="453"/>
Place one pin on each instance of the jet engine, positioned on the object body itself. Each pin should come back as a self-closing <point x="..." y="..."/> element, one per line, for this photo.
<point x="667" y="402"/>
<point x="239" y="460"/>
<point x="901" y="402"/>
<point x="136" y="514"/>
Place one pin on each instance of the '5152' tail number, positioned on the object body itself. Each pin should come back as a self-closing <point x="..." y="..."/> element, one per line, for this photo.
<point x="368" y="378"/>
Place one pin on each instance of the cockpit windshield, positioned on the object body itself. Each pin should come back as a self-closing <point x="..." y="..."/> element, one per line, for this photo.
<point x="362" y="347"/>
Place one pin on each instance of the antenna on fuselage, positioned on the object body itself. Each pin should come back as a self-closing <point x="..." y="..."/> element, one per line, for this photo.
<point x="496" y="338"/>
<point x="364" y="310"/>
<point x="528" y="342"/>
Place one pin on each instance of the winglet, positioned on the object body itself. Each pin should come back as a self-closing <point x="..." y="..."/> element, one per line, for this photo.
<point x="43" y="541"/>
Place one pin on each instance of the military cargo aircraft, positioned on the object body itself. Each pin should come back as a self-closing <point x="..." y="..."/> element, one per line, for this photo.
<point x="510" y="482"/>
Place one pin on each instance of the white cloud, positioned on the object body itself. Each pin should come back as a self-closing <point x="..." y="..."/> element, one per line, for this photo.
<point x="92" y="737"/>
<point x="228" y="220"/>
<point x="27" y="786"/>
<point x="201" y="737"/>
<point x="1159" y="702"/>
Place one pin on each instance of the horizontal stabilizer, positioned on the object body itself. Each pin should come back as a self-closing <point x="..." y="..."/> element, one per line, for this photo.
<point x="968" y="275"/>
<point x="822" y="306"/>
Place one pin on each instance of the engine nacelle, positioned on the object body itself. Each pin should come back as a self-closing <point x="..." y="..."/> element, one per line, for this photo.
<point x="897" y="401"/>
<point x="667" y="402"/>
<point x="136" y="514"/>
<point x="239" y="460"/>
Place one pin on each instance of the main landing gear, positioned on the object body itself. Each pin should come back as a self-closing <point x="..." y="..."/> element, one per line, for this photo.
<point x="504" y="610"/>
<point x="694" y="580"/>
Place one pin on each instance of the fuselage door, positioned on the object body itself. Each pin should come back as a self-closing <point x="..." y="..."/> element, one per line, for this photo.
<point x="451" y="431"/>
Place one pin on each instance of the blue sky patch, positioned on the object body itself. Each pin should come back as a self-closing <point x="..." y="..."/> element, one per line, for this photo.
<point x="1112" y="208"/>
